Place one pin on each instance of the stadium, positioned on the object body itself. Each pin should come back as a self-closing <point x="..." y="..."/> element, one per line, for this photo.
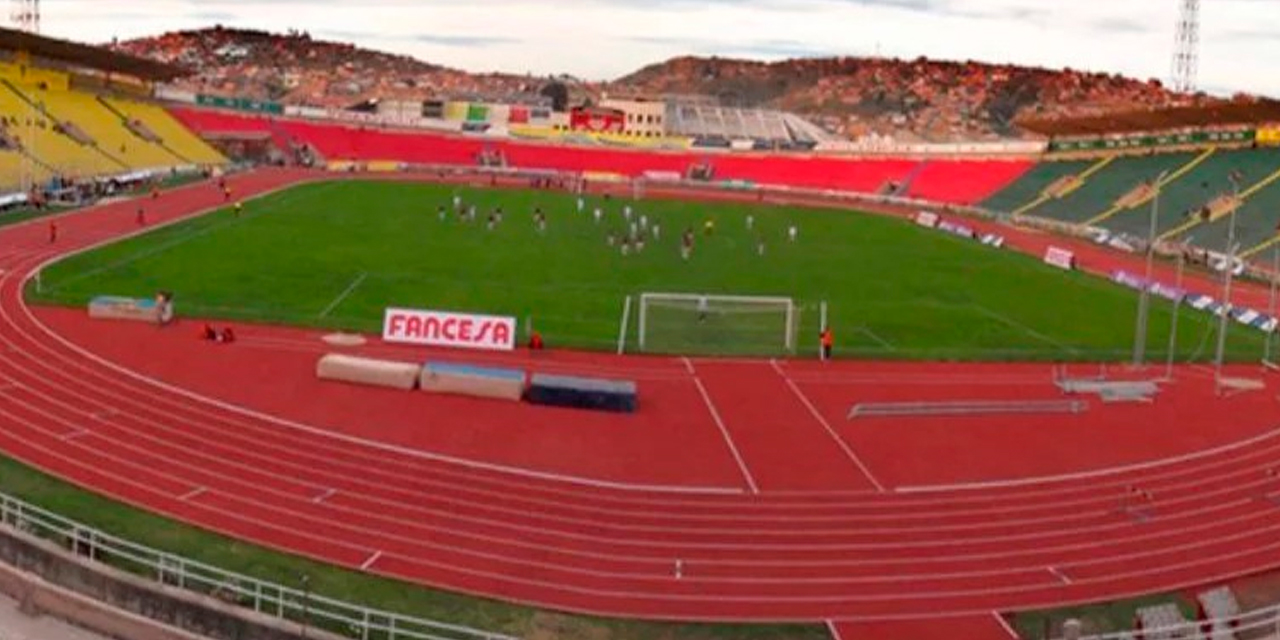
<point x="528" y="360"/>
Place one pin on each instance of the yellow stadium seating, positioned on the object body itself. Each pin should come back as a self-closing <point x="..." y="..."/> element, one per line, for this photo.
<point x="56" y="150"/>
<point x="107" y="129"/>
<point x="176" y="137"/>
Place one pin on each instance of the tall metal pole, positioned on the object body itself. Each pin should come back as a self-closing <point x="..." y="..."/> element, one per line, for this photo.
<point x="1144" y="296"/>
<point x="1226" y="287"/>
<point x="1177" y="310"/>
<point x="1271" y="303"/>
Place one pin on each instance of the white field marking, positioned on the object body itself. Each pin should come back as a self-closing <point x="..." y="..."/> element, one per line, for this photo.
<point x="728" y="439"/>
<point x="72" y="435"/>
<point x="724" y="431"/>
<point x="994" y="315"/>
<point x="835" y="633"/>
<point x="372" y="559"/>
<point x="328" y="493"/>
<point x="840" y="442"/>
<point x="1004" y="624"/>
<point x="1089" y="475"/>
<point x="866" y="331"/>
<point x="1057" y="573"/>
<point x="192" y="494"/>
<point x="345" y="293"/>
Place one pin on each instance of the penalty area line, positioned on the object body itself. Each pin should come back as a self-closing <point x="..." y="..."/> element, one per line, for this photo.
<point x="345" y="293"/>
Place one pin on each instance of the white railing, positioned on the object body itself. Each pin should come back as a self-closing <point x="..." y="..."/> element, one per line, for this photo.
<point x="295" y="603"/>
<point x="1259" y="624"/>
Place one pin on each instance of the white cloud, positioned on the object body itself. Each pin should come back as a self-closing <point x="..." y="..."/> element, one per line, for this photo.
<point x="606" y="38"/>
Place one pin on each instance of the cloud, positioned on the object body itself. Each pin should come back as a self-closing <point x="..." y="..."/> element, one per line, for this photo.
<point x="609" y="38"/>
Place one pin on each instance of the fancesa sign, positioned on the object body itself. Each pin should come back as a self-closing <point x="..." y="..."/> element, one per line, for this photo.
<point x="449" y="329"/>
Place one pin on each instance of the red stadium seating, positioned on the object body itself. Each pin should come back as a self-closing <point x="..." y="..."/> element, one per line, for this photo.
<point x="948" y="181"/>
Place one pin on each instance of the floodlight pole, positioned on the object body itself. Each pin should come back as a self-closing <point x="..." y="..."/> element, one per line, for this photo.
<point x="1144" y="296"/>
<point x="1223" y="322"/>
<point x="1271" y="302"/>
<point x="1177" y="309"/>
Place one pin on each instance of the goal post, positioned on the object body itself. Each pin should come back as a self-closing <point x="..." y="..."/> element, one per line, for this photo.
<point x="713" y="324"/>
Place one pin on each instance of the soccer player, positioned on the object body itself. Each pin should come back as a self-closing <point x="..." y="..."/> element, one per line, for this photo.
<point x="635" y="230"/>
<point x="540" y="222"/>
<point x="239" y="208"/>
<point x="597" y="214"/>
<point x="440" y="213"/>
<point x="626" y="212"/>
<point x="792" y="232"/>
<point x="657" y="232"/>
<point x="493" y="221"/>
<point x="582" y="204"/>
<point x="609" y="239"/>
<point x="760" y="245"/>
<point x="751" y="222"/>
<point x="828" y="341"/>
<point x="686" y="243"/>
<point x="709" y="227"/>
<point x="644" y="221"/>
<point x="626" y="246"/>
<point x="702" y="309"/>
<point x="457" y="201"/>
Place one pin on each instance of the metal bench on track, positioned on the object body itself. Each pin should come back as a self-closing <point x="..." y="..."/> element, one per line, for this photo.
<point x="964" y="408"/>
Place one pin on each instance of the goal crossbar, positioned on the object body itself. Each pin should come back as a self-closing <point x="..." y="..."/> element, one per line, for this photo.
<point x="685" y="313"/>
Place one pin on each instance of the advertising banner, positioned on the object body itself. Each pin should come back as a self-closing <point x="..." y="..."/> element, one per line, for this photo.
<point x="449" y="329"/>
<point x="1060" y="258"/>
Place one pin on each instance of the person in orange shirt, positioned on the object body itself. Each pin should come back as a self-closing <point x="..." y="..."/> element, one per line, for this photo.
<point x="828" y="341"/>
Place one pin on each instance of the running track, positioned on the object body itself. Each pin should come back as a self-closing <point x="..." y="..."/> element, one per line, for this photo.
<point x="876" y="560"/>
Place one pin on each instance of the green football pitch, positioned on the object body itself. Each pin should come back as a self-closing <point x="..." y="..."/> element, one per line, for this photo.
<point x="336" y="254"/>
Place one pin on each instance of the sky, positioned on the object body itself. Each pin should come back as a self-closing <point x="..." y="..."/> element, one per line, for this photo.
<point x="604" y="39"/>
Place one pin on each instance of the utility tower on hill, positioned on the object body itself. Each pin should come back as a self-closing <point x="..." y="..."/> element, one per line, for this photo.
<point x="1186" y="47"/>
<point x="25" y="15"/>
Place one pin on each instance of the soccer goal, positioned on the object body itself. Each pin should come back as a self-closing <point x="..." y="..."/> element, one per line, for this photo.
<point x="693" y="323"/>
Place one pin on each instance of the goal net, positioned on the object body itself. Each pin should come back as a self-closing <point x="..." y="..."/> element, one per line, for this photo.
<point x="691" y="323"/>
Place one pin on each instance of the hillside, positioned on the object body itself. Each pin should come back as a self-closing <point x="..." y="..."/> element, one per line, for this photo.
<point x="910" y="100"/>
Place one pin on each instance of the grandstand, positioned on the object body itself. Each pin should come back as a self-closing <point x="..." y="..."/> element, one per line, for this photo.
<point x="732" y="123"/>
<point x="55" y="129"/>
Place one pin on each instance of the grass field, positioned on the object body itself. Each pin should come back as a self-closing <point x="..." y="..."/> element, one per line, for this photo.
<point x="336" y="254"/>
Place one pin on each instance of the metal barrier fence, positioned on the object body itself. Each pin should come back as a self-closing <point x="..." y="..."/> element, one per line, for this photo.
<point x="297" y="604"/>
<point x="1259" y="624"/>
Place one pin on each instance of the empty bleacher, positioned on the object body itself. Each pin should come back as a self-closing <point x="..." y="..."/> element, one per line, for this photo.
<point x="1257" y="220"/>
<point x="105" y="128"/>
<point x="1182" y="199"/>
<point x="964" y="182"/>
<point x="35" y="130"/>
<point x="1100" y="191"/>
<point x="1033" y="183"/>
<point x="176" y="138"/>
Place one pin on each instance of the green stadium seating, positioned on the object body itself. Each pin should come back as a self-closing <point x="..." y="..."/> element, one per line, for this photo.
<point x="1182" y="199"/>
<point x="1100" y="191"/>
<point x="1256" y="220"/>
<point x="1026" y="189"/>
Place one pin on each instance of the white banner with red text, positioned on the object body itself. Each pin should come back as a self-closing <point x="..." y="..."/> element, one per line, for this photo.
<point x="449" y="329"/>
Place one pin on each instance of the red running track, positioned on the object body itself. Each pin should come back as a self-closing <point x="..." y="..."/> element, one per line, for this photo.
<point x="838" y="526"/>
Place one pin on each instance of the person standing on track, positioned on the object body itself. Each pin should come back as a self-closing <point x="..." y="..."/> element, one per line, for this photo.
<point x="828" y="341"/>
<point x="53" y="232"/>
<point x="141" y="216"/>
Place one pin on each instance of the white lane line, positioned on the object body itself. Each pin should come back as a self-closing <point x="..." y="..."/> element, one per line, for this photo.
<point x="192" y="494"/>
<point x="1057" y="573"/>
<point x="724" y="431"/>
<point x="844" y="446"/>
<point x="328" y="493"/>
<point x="369" y="562"/>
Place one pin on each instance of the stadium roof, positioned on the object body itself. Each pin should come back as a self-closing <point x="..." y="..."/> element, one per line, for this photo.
<point x="1220" y="114"/>
<point x="83" y="55"/>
